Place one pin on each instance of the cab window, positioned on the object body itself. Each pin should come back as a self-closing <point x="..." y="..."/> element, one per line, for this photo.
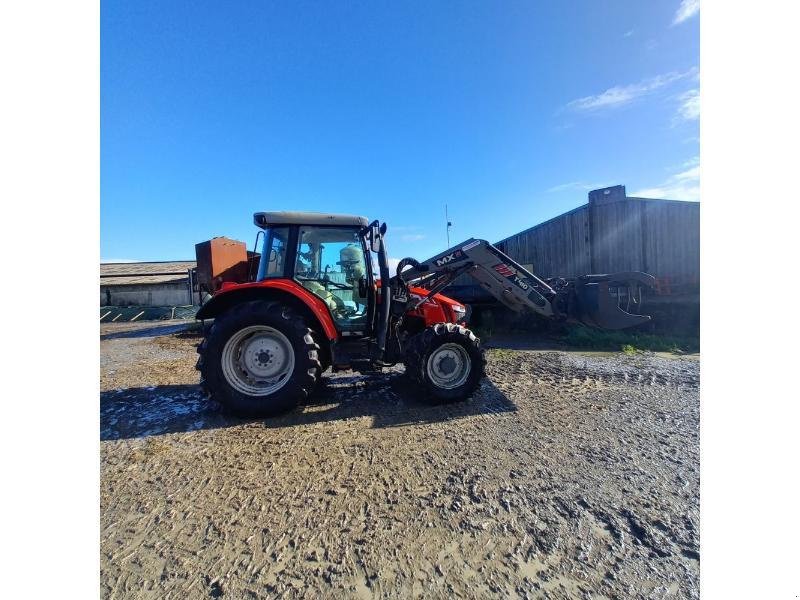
<point x="273" y="253"/>
<point x="330" y="264"/>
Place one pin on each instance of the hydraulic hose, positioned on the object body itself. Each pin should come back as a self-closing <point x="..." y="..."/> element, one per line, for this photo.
<point x="407" y="261"/>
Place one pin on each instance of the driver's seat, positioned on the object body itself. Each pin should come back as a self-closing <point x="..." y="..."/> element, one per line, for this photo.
<point x="326" y="296"/>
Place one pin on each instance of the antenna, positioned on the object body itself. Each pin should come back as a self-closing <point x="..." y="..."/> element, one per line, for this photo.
<point x="449" y="224"/>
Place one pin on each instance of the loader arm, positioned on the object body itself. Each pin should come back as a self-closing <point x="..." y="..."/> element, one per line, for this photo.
<point x="586" y="299"/>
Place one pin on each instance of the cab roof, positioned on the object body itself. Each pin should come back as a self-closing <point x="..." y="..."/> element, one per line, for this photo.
<point x="265" y="219"/>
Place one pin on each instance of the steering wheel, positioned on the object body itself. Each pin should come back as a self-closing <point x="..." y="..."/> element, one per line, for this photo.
<point x="347" y="311"/>
<point x="327" y="282"/>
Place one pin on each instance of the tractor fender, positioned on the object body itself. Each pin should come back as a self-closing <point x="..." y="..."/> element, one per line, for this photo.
<point x="282" y="290"/>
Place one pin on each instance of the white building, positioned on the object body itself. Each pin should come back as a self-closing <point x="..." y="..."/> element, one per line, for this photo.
<point x="146" y="283"/>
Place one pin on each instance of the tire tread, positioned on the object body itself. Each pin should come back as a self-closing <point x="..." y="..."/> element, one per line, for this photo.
<point x="307" y="361"/>
<point x="419" y="346"/>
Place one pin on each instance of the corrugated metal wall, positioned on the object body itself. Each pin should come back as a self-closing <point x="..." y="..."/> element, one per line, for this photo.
<point x="660" y="237"/>
<point x="671" y="238"/>
<point x="560" y="246"/>
<point x="611" y="233"/>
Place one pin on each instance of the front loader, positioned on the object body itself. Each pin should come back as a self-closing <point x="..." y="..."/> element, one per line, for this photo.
<point x="315" y="304"/>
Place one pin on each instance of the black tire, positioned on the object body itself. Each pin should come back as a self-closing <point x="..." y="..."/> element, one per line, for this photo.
<point x="420" y="347"/>
<point x="323" y="354"/>
<point x="297" y="384"/>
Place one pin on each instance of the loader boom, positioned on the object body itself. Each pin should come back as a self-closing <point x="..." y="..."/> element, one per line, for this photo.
<point x="594" y="300"/>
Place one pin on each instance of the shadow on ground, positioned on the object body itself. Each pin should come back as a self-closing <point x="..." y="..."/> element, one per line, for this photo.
<point x="187" y="329"/>
<point x="524" y="341"/>
<point x="389" y="399"/>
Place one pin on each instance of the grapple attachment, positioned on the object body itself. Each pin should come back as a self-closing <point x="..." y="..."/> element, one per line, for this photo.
<point x="611" y="301"/>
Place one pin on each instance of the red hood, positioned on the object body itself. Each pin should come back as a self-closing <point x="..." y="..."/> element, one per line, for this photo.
<point x="423" y="292"/>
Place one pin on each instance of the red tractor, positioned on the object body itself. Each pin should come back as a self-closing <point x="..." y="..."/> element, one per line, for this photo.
<point x="315" y="304"/>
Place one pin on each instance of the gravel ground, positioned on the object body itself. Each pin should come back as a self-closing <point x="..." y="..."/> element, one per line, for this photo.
<point x="567" y="475"/>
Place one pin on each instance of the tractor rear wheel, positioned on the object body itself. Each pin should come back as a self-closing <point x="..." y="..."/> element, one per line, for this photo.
<point x="259" y="358"/>
<point x="446" y="360"/>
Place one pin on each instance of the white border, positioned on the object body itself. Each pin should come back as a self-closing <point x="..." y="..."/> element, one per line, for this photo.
<point x="49" y="140"/>
<point x="50" y="190"/>
<point x="750" y="428"/>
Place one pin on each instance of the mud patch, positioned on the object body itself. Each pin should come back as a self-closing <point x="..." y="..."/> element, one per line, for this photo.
<point x="565" y="476"/>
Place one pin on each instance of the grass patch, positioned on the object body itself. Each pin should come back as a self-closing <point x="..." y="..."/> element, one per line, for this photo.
<point x="501" y="353"/>
<point x="628" y="342"/>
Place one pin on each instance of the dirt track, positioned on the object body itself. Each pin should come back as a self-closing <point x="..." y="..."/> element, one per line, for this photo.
<point x="566" y="476"/>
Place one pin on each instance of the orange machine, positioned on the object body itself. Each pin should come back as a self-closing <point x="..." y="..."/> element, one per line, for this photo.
<point x="220" y="260"/>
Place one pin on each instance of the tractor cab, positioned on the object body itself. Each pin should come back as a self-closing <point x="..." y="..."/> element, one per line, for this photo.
<point x="328" y="255"/>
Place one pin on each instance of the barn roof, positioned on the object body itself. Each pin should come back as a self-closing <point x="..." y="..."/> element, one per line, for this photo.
<point x="143" y="273"/>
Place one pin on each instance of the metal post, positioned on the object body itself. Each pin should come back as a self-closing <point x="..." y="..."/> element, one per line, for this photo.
<point x="449" y="224"/>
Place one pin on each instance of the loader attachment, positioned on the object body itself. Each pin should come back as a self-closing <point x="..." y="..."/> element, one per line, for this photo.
<point x="610" y="301"/>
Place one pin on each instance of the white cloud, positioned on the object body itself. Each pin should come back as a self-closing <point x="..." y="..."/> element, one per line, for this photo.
<point x="628" y="33"/>
<point x="692" y="162"/>
<point x="689" y="109"/>
<point x="412" y="237"/>
<point x="691" y="174"/>
<point x="620" y="95"/>
<point x="686" y="10"/>
<point x="576" y="185"/>
<point x="684" y="185"/>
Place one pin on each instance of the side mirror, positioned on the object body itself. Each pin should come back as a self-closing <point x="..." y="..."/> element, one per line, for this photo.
<point x="372" y="233"/>
<point x="374" y="238"/>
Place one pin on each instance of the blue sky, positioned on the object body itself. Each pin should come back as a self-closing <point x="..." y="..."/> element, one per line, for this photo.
<point x="507" y="112"/>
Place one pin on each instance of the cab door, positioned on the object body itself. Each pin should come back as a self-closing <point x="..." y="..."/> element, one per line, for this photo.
<point x="331" y="264"/>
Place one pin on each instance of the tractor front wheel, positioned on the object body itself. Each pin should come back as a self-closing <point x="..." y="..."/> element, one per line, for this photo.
<point x="446" y="360"/>
<point x="259" y="358"/>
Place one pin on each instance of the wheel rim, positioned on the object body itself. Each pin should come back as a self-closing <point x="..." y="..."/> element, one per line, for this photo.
<point x="449" y="366"/>
<point x="258" y="360"/>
